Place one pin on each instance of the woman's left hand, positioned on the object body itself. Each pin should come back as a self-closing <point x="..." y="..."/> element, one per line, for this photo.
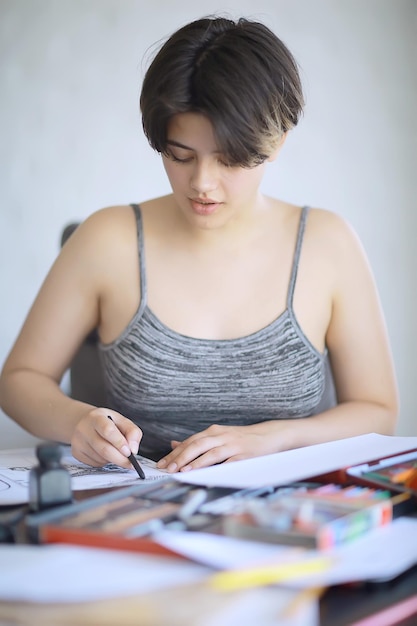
<point x="218" y="444"/>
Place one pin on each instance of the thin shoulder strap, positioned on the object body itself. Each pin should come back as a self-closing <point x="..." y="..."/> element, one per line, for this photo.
<point x="297" y="252"/>
<point x="141" y="252"/>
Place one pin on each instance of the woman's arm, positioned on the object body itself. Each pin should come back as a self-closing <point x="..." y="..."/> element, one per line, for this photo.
<point x="362" y="366"/>
<point x="66" y="309"/>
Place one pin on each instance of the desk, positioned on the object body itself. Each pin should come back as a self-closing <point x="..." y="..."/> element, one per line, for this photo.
<point x="171" y="607"/>
<point x="344" y="605"/>
<point x="182" y="606"/>
<point x="340" y="606"/>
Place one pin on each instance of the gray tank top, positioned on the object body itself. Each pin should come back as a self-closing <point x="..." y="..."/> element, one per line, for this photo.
<point x="172" y="385"/>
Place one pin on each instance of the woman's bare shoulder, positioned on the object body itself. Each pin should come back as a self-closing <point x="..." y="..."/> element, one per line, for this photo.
<point x="326" y="219"/>
<point x="330" y="230"/>
<point x="101" y="242"/>
<point x="112" y="227"/>
<point x="108" y="217"/>
<point x="105" y="227"/>
<point x="323" y="226"/>
<point x="333" y="243"/>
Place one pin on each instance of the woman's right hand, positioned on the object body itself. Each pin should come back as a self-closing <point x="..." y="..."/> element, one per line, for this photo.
<point x="98" y="440"/>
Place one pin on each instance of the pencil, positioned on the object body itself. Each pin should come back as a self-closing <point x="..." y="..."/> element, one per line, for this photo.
<point x="133" y="460"/>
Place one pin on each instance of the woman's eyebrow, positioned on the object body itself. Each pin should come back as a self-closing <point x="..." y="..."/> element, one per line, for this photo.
<point x="171" y="142"/>
<point x="177" y="144"/>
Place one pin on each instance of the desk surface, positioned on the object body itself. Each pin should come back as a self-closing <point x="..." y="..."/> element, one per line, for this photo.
<point x="345" y="604"/>
<point x="339" y="606"/>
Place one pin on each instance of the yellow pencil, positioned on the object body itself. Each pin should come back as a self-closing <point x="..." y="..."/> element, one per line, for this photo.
<point x="270" y="574"/>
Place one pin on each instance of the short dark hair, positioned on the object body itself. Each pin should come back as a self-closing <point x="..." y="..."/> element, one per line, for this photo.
<point x="237" y="73"/>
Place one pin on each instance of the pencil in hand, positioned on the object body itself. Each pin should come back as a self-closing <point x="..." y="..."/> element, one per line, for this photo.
<point x="133" y="460"/>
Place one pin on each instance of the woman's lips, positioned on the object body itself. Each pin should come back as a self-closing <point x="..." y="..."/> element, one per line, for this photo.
<point x="204" y="206"/>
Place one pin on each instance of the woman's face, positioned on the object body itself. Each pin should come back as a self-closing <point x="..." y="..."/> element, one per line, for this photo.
<point x="208" y="191"/>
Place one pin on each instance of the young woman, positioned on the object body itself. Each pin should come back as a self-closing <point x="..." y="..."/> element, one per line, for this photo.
<point x="216" y="306"/>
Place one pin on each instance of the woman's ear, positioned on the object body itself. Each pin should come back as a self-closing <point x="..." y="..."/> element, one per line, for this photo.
<point x="278" y="147"/>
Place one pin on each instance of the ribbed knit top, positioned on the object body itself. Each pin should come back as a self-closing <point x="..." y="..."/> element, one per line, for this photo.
<point x="172" y="385"/>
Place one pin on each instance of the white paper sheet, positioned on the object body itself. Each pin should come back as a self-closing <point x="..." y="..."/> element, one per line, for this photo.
<point x="222" y="552"/>
<point x="60" y="573"/>
<point x="292" y="465"/>
<point x="379" y="555"/>
<point x="15" y="466"/>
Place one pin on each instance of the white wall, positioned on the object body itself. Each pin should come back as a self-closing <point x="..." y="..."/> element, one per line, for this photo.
<point x="71" y="139"/>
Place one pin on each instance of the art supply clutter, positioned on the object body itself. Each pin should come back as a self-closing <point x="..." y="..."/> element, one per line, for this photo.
<point x="304" y="514"/>
<point x="316" y="518"/>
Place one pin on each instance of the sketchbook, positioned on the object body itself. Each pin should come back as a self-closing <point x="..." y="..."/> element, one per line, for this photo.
<point x="16" y="464"/>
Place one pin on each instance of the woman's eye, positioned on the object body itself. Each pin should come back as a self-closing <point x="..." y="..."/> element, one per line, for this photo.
<point x="188" y="159"/>
<point x="178" y="159"/>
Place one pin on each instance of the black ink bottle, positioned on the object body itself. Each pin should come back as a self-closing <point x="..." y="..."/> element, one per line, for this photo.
<point x="49" y="482"/>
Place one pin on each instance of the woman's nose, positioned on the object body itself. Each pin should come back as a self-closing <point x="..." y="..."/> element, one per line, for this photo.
<point x="204" y="177"/>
